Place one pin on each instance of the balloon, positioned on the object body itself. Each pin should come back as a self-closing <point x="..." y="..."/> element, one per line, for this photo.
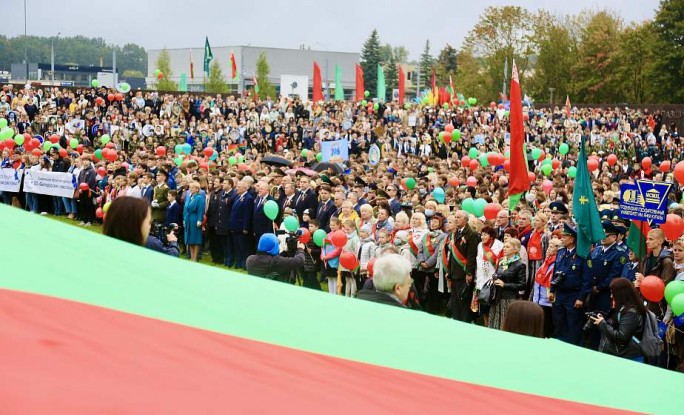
<point x="652" y="288"/>
<point x="111" y="155"/>
<point x="106" y="206"/>
<point x="73" y="143"/>
<point x="441" y="136"/>
<point x="99" y="101"/>
<point x="612" y="159"/>
<point x="105" y="139"/>
<point x="453" y="181"/>
<point x="677" y="305"/>
<point x="178" y="161"/>
<point x="364" y="103"/>
<point x="673" y="227"/>
<point x="19" y="139"/>
<point x="339" y="238"/>
<point x="83" y="187"/>
<point x="214" y="155"/>
<point x="507" y="113"/>
<point x="95" y="83"/>
<point x="592" y="164"/>
<point x="98" y="154"/>
<point x="208" y="151"/>
<point x="492" y="158"/>
<point x="468" y="205"/>
<point x="456" y="134"/>
<point x="491" y="210"/>
<point x="547" y="185"/>
<point x="407" y="106"/>
<point x="462" y="102"/>
<point x="438" y="194"/>
<point x="484" y="159"/>
<point x="474" y="164"/>
<point x="109" y="145"/>
<point x="555" y="163"/>
<point x="646" y="163"/>
<point x="449" y="128"/>
<point x="447" y="137"/>
<point x="118" y="97"/>
<point x="665" y="166"/>
<point x="366" y="94"/>
<point x="348" y="260"/>
<point x="410" y="183"/>
<point x="403" y="184"/>
<point x="156" y="72"/>
<point x="304" y="152"/>
<point x="479" y="207"/>
<point x="304" y="235"/>
<point x="376" y="106"/>
<point x="445" y="105"/>
<point x="471" y="181"/>
<point x="572" y="172"/>
<point x="101" y="171"/>
<point x="47" y="145"/>
<point x="62" y="152"/>
<point x="160" y="151"/>
<point x="673" y="289"/>
<point x="531" y="177"/>
<point x="3" y="122"/>
<point x="36" y="152"/>
<point x="547" y="161"/>
<point x="187" y="148"/>
<point x="507" y="165"/>
<point x="472" y="101"/>
<point x="465" y="161"/>
<point x="99" y="213"/>
<point x="473" y="153"/>
<point x="319" y="157"/>
<point x="110" y="97"/>
<point x="160" y="76"/>
<point x="291" y="223"/>
<point x="54" y="138"/>
<point x="319" y="237"/>
<point x="370" y="267"/>
<point x="232" y="160"/>
<point x="546" y="169"/>
<point x="564" y="148"/>
<point x="271" y="211"/>
<point x="536" y="153"/>
<point x="679" y="172"/>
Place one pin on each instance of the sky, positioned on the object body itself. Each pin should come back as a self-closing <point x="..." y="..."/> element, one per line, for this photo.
<point x="342" y="25"/>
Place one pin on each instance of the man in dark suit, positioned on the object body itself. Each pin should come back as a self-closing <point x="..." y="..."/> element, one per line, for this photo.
<point x="291" y="197"/>
<point x="215" y="242"/>
<point x="241" y="223"/>
<point x="394" y="203"/>
<point x="225" y="207"/>
<point x="262" y="224"/>
<point x="503" y="221"/>
<point x="147" y="190"/>
<point x="307" y="199"/>
<point x="462" y="264"/>
<point x="325" y="208"/>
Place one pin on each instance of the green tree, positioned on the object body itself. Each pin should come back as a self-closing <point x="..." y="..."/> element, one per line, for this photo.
<point x="266" y="88"/>
<point x="426" y="64"/>
<point x="635" y="63"/>
<point x="470" y="80"/>
<point x="131" y="57"/>
<point x="370" y="58"/>
<point x="132" y="73"/>
<point x="216" y="83"/>
<point x="164" y="65"/>
<point x="446" y="65"/>
<point x="668" y="79"/>
<point x="400" y="54"/>
<point x="391" y="74"/>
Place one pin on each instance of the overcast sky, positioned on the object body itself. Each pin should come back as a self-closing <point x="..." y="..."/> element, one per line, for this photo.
<point x="341" y="25"/>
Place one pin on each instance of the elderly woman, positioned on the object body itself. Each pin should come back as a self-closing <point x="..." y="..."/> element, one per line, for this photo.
<point x="488" y="254"/>
<point x="367" y="217"/>
<point x="509" y="279"/>
<point x="193" y="215"/>
<point x="348" y="213"/>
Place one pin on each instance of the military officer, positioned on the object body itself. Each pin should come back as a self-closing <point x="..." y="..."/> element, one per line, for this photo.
<point x="558" y="213"/>
<point x="566" y="289"/>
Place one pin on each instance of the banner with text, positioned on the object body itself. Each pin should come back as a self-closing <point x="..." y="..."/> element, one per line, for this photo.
<point x="50" y="183"/>
<point x="335" y="150"/>
<point x="10" y="180"/>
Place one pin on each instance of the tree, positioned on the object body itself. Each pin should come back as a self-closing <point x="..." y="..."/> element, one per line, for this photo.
<point x="446" y="65"/>
<point x="635" y="63"/>
<point x="391" y="74"/>
<point x="164" y="65"/>
<point x="668" y="80"/>
<point x="400" y="54"/>
<point x="216" y="83"/>
<point x="426" y="64"/>
<point x="370" y="58"/>
<point x="132" y="57"/>
<point x="266" y="88"/>
<point x="470" y="80"/>
<point x="132" y="73"/>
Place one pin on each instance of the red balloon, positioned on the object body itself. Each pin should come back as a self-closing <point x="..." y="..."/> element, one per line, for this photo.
<point x="462" y="103"/>
<point x="110" y="97"/>
<point x="79" y="149"/>
<point x="547" y="185"/>
<point x="27" y="137"/>
<point x="474" y="164"/>
<point x="204" y="165"/>
<point x="109" y="145"/>
<point x="9" y="143"/>
<point x="348" y="260"/>
<point x="453" y="181"/>
<point x="507" y="165"/>
<point x="161" y="151"/>
<point x="542" y="156"/>
<point x="370" y="267"/>
<point x="612" y="159"/>
<point x="492" y="159"/>
<point x="526" y="116"/>
<point x="339" y="239"/>
<point x="305" y="236"/>
<point x="555" y="163"/>
<point x="84" y="187"/>
<point x="208" y="151"/>
<point x="99" y="213"/>
<point x="62" y="152"/>
<point x="446" y="138"/>
<point x="500" y="159"/>
<point x="54" y="138"/>
<point x="36" y="152"/>
<point x="35" y="143"/>
<point x="471" y="181"/>
<point x="403" y="184"/>
<point x="652" y="288"/>
<point x="592" y="164"/>
<point x="111" y="155"/>
<point x="465" y="161"/>
<point x="99" y="101"/>
<point x="160" y="76"/>
<point x="102" y="171"/>
<point x="448" y="128"/>
<point x="531" y="176"/>
<point x="679" y="172"/>
<point x="665" y="166"/>
<point x="673" y="227"/>
<point x="118" y="97"/>
<point x="491" y="210"/>
<point x="646" y="163"/>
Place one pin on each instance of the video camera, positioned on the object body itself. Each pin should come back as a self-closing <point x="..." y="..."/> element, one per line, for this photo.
<point x="590" y="323"/>
<point x="558" y="277"/>
<point x="162" y="231"/>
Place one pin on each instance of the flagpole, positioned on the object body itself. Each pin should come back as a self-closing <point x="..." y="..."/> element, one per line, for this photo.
<point x="641" y="238"/>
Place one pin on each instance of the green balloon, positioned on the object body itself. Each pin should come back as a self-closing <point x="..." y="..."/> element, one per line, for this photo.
<point x="73" y="143"/>
<point x="156" y="72"/>
<point x="677" y="304"/>
<point x="473" y="153"/>
<point x="19" y="139"/>
<point x="46" y="145"/>
<point x="366" y="94"/>
<point x="3" y="122"/>
<point x="364" y="103"/>
<point x="484" y="163"/>
<point x="241" y="159"/>
<point x="95" y="83"/>
<point x="673" y="289"/>
<point x="232" y="160"/>
<point x="271" y="210"/>
<point x="410" y="183"/>
<point x="98" y="154"/>
<point x="536" y="153"/>
<point x="546" y="169"/>
<point x="472" y="101"/>
<point x="507" y="113"/>
<point x="572" y="172"/>
<point x="178" y="161"/>
<point x="430" y="169"/>
<point x="547" y="161"/>
<point x="105" y="139"/>
<point x="376" y="106"/>
<point x="564" y="148"/>
<point x="304" y="152"/>
<point x="407" y="106"/>
<point x="445" y="105"/>
<point x="178" y="149"/>
<point x="56" y="145"/>
<point x="6" y="133"/>
<point x="319" y="237"/>
<point x="441" y="136"/>
<point x="319" y="156"/>
<point x="468" y="205"/>
<point x="455" y="135"/>
<point x="479" y="207"/>
<point x="291" y="223"/>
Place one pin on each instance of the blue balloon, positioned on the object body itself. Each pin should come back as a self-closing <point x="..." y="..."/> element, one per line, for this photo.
<point x="187" y="148"/>
<point x="438" y="194"/>
<point x="214" y="155"/>
<point x="673" y="205"/>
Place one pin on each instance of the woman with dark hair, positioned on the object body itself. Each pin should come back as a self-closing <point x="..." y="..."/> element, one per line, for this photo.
<point x="624" y="322"/>
<point x="488" y="253"/>
<point x="524" y="317"/>
<point x="509" y="278"/>
<point x="128" y="219"/>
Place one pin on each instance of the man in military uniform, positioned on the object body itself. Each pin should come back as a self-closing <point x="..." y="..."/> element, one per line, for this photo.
<point x="558" y="212"/>
<point x="566" y="289"/>
<point x="604" y="264"/>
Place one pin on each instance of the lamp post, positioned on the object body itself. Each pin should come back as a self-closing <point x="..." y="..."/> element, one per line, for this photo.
<point x="52" y="57"/>
<point x="26" y="45"/>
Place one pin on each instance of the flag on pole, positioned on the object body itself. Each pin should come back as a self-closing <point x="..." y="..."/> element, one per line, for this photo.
<point x="359" y="83"/>
<point x="567" y="105"/>
<point x="192" y="66"/>
<point x="317" y="90"/>
<point x="339" y="91"/>
<point x="402" y="85"/>
<point x="233" y="65"/>
<point x="589" y="229"/>
<point x="208" y="56"/>
<point x="453" y="90"/>
<point x="519" y="181"/>
<point x="434" y="88"/>
<point x="381" y="84"/>
<point x="256" y="86"/>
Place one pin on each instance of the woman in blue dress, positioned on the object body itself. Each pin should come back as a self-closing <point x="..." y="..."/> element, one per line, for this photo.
<point x="193" y="214"/>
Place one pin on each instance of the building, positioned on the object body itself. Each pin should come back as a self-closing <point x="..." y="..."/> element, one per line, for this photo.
<point x="291" y="63"/>
<point x="64" y="75"/>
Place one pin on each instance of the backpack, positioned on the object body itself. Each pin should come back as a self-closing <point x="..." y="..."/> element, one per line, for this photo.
<point x="650" y="344"/>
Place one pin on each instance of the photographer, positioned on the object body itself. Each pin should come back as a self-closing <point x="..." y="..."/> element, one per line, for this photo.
<point x="268" y="264"/>
<point x="169" y="234"/>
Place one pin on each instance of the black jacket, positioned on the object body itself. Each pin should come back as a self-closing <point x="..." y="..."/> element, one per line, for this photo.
<point x="617" y="331"/>
<point x="466" y="242"/>
<point x="379" y="297"/>
<point x="274" y="267"/>
<point x="514" y="278"/>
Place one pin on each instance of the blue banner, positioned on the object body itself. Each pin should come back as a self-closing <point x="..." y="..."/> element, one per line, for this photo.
<point x="644" y="200"/>
<point x="336" y="150"/>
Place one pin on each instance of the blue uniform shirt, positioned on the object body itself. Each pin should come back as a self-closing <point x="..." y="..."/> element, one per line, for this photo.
<point x="574" y="268"/>
<point x="603" y="267"/>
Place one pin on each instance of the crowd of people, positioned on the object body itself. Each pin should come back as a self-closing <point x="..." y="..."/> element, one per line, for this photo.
<point x="201" y="171"/>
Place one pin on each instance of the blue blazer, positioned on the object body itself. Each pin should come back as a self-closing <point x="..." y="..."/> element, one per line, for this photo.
<point x="241" y="214"/>
<point x="173" y="214"/>
<point x="148" y="193"/>
<point x="262" y="224"/>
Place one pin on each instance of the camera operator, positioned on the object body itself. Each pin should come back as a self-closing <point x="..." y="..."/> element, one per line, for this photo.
<point x="168" y="245"/>
<point x="268" y="264"/>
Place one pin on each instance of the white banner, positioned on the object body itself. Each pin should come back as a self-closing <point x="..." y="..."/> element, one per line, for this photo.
<point x="295" y="85"/>
<point x="10" y="180"/>
<point x="50" y="183"/>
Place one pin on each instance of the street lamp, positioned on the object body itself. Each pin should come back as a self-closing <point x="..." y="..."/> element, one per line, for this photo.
<point x="52" y="57"/>
<point x="26" y="45"/>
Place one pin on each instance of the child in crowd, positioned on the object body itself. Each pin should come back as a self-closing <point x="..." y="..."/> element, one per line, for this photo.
<point x="383" y="243"/>
<point x="312" y="261"/>
<point x="366" y="252"/>
<point x="346" y="283"/>
<point x="330" y="254"/>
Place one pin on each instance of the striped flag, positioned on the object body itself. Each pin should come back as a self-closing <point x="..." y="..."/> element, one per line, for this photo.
<point x="233" y="65"/>
<point x="453" y="90"/>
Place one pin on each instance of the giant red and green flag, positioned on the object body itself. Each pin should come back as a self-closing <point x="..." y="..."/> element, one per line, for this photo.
<point x="519" y="181"/>
<point x="584" y="209"/>
<point x="208" y="56"/>
<point x="93" y="325"/>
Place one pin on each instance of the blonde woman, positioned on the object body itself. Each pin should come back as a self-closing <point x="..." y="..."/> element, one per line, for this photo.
<point x="537" y="245"/>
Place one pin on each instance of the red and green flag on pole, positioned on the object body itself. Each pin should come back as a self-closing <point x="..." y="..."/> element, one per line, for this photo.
<point x="519" y="181"/>
<point x="233" y="65"/>
<point x="402" y="85"/>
